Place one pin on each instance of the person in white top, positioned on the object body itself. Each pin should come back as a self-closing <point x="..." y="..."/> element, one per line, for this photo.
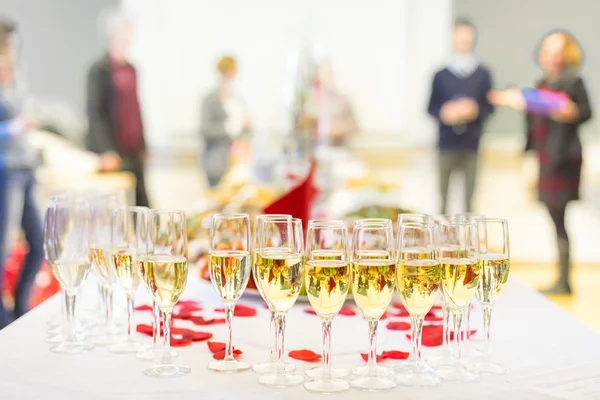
<point x="224" y="120"/>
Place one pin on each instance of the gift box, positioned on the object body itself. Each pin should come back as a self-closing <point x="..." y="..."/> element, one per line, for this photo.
<point x="543" y="101"/>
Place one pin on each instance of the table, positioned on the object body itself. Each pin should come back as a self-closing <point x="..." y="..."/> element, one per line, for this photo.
<point x="538" y="342"/>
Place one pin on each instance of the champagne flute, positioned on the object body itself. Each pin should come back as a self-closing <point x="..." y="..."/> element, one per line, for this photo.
<point x="165" y="270"/>
<point x="495" y="266"/>
<point x="469" y="216"/>
<point x="66" y="230"/>
<point x="418" y="277"/>
<point x="373" y="283"/>
<point x="129" y="228"/>
<point x="271" y="365"/>
<point x="102" y="208"/>
<point x="280" y="277"/>
<point x="327" y="280"/>
<point x="460" y="277"/>
<point x="229" y="267"/>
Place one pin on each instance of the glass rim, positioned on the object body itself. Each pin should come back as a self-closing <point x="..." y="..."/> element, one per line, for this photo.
<point x="132" y="209"/>
<point x="429" y="216"/>
<point x="373" y="221"/>
<point x="153" y="213"/>
<point x="327" y="223"/>
<point x="494" y="219"/>
<point x="272" y="216"/>
<point x="458" y="222"/>
<point x="230" y="216"/>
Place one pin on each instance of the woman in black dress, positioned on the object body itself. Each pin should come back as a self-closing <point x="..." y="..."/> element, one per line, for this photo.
<point x="555" y="137"/>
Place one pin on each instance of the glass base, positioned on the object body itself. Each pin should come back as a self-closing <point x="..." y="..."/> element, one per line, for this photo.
<point x="154" y="354"/>
<point x="284" y="380"/>
<point x="78" y="347"/>
<point x="372" y="383"/>
<point x="328" y="386"/>
<point x="419" y="375"/>
<point x="440" y="361"/>
<point x="404" y="366"/>
<point x="271" y="367"/>
<point x="108" y="340"/>
<point x="317" y="373"/>
<point x="457" y="373"/>
<point x="228" y="367"/>
<point x="166" y="370"/>
<point x="128" y="347"/>
<point x="489" y="368"/>
<point x="377" y="371"/>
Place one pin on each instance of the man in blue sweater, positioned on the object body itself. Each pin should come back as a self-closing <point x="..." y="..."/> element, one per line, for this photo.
<point x="458" y="102"/>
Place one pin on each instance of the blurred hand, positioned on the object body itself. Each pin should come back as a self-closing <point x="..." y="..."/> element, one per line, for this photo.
<point x="468" y="109"/>
<point x="511" y="98"/>
<point x="450" y="113"/>
<point x="110" y="162"/>
<point x="31" y="124"/>
<point x="567" y="112"/>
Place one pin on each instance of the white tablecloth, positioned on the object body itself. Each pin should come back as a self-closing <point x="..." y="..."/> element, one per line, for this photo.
<point x="539" y="343"/>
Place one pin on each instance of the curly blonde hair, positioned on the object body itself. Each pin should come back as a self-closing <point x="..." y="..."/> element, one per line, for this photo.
<point x="572" y="51"/>
<point x="226" y="65"/>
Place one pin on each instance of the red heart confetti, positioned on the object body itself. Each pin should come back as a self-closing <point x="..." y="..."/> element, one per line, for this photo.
<point x="437" y="307"/>
<point x="198" y="320"/>
<point x="180" y="341"/>
<point x="385" y="315"/>
<point x="471" y="332"/>
<point x="304" y="355"/>
<point x="398" y="326"/>
<point x="365" y="357"/>
<point x="188" y="303"/>
<point x="241" y="311"/>
<point x="403" y="312"/>
<point x="218" y="350"/>
<point x="347" y="311"/>
<point x="395" y="354"/>
<point x="309" y="311"/>
<point x="143" y="307"/>
<point x="433" y="330"/>
<point x="220" y="355"/>
<point x="145" y="329"/>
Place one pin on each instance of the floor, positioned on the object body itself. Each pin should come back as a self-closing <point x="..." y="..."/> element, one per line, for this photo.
<point x="505" y="188"/>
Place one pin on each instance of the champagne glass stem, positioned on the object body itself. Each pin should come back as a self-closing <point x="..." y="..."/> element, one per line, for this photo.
<point x="468" y="322"/>
<point x="229" y="308"/>
<point x="280" y="322"/>
<point x="166" y="356"/>
<point x="70" y="308"/>
<point x="130" y="304"/>
<point x="417" y="331"/>
<point x="372" y="363"/>
<point x="108" y="297"/>
<point x="274" y="336"/>
<point x="446" y="331"/>
<point x="458" y="317"/>
<point x="487" y="327"/>
<point x="101" y="298"/>
<point x="156" y="327"/>
<point x="326" y="349"/>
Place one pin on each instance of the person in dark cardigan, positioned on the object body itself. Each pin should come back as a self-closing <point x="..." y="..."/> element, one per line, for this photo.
<point x="555" y="137"/>
<point x="116" y="131"/>
<point x="458" y="103"/>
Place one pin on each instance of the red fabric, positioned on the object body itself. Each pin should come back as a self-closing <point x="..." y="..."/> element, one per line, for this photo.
<point x="128" y="118"/>
<point x="298" y="201"/>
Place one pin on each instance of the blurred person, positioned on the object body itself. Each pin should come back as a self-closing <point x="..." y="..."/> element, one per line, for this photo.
<point x="459" y="105"/>
<point x="328" y="112"/>
<point x="554" y="136"/>
<point x="17" y="187"/>
<point x="116" y="131"/>
<point x="224" y="120"/>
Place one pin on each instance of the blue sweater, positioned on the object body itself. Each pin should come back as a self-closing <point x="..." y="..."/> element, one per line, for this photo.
<point x="447" y="86"/>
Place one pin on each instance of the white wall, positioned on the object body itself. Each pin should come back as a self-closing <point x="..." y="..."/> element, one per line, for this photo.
<point x="383" y="51"/>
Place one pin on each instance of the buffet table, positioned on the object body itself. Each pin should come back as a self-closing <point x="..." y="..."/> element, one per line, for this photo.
<point x="549" y="354"/>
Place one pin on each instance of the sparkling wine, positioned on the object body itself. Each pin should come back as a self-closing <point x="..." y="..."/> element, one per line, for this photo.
<point x="372" y="255"/>
<point x="418" y="282"/>
<point x="451" y="251"/>
<point x="460" y="277"/>
<point x="71" y="273"/>
<point x="494" y="274"/>
<point x="327" y="282"/>
<point x="327" y="255"/>
<point x="279" y="275"/>
<point x="373" y="283"/>
<point x="99" y="261"/>
<point x="229" y="273"/>
<point x="256" y="262"/>
<point x="126" y="270"/>
<point x="416" y="253"/>
<point x="166" y="277"/>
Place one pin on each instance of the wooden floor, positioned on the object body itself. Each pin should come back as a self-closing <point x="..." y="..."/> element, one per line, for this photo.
<point x="504" y="189"/>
